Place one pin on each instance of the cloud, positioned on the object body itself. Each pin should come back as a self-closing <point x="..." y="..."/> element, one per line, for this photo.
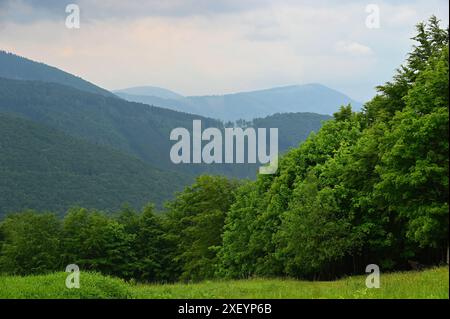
<point x="353" y="48"/>
<point x="218" y="46"/>
<point x="29" y="11"/>
<point x="26" y="11"/>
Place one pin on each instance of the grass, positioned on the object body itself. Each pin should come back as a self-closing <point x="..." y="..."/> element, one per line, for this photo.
<point x="51" y="286"/>
<point x="432" y="283"/>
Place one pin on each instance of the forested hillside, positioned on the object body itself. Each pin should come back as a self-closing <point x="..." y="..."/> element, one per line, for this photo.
<point x="19" y="68"/>
<point x="138" y="129"/>
<point x="47" y="170"/>
<point x="293" y="128"/>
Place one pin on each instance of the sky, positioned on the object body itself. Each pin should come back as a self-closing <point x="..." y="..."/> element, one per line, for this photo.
<point x="200" y="47"/>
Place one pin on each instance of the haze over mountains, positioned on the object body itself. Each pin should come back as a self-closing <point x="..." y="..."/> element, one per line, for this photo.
<point x="312" y="98"/>
<point x="315" y="98"/>
<point x="69" y="142"/>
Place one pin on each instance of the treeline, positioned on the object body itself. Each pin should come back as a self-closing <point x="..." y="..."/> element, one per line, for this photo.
<point x="144" y="246"/>
<point x="368" y="188"/>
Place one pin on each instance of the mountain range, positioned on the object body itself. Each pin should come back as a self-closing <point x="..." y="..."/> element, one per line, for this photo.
<point x="314" y="98"/>
<point x="66" y="141"/>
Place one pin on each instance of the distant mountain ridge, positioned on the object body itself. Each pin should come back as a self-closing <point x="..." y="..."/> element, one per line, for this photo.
<point x="150" y="91"/>
<point x="19" y="68"/>
<point x="312" y="98"/>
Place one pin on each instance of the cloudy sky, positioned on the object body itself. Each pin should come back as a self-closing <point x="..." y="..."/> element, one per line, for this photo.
<point x="198" y="47"/>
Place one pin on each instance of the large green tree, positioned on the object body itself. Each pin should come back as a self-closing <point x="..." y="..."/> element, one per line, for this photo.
<point x="369" y="187"/>
<point x="414" y="166"/>
<point x="195" y="222"/>
<point x="30" y="243"/>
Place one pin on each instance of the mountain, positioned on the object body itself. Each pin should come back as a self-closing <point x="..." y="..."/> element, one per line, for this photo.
<point x="181" y="104"/>
<point x="156" y="96"/>
<point x="293" y="128"/>
<point x="313" y="98"/>
<point x="15" y="67"/>
<point x="137" y="129"/>
<point x="150" y="91"/>
<point x="65" y="142"/>
<point x="46" y="169"/>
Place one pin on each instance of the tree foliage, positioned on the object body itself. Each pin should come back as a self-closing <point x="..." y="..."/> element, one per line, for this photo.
<point x="369" y="187"/>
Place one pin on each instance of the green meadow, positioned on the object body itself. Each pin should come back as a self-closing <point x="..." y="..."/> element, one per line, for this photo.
<point x="432" y="283"/>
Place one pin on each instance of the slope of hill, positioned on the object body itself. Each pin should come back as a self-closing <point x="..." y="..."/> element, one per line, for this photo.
<point x="293" y="128"/>
<point x="135" y="128"/>
<point x="314" y="98"/>
<point x="15" y="67"/>
<point x="138" y="129"/>
<point x="45" y="169"/>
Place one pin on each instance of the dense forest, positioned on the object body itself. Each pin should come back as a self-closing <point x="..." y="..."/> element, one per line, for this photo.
<point x="369" y="187"/>
<point x="46" y="169"/>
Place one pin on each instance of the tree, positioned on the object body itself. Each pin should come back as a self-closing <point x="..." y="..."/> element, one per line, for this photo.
<point x="315" y="233"/>
<point x="369" y="187"/>
<point x="249" y="245"/>
<point x="414" y="166"/>
<point x="95" y="242"/>
<point x="152" y="248"/>
<point x="430" y="38"/>
<point x="30" y="243"/>
<point x="195" y="221"/>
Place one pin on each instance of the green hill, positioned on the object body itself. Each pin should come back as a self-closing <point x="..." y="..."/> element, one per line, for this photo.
<point x="45" y="169"/>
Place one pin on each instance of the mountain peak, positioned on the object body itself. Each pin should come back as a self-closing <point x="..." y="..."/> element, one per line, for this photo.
<point x="15" y="67"/>
<point x="150" y="91"/>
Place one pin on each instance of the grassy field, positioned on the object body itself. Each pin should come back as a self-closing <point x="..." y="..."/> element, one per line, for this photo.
<point x="433" y="283"/>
